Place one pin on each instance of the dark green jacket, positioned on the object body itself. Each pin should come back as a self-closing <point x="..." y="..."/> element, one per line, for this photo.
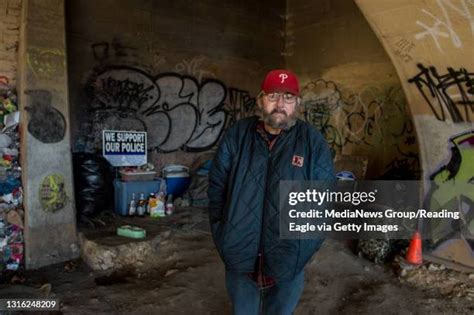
<point x="244" y="199"/>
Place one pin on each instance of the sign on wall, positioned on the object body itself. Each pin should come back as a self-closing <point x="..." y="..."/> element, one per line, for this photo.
<point x="124" y="148"/>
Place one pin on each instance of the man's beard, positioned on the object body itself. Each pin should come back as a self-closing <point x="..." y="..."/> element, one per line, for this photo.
<point x="276" y="122"/>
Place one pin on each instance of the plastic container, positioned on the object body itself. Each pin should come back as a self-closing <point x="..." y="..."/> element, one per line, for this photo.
<point x="177" y="179"/>
<point x="131" y="231"/>
<point x="124" y="191"/>
<point x="137" y="176"/>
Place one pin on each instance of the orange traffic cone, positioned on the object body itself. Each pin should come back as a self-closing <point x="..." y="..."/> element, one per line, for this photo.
<point x="414" y="255"/>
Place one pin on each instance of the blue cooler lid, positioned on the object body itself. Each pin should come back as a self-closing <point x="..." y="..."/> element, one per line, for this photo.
<point x="173" y="171"/>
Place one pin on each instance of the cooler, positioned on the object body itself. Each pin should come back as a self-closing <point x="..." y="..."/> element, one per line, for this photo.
<point x="177" y="179"/>
<point x="124" y="191"/>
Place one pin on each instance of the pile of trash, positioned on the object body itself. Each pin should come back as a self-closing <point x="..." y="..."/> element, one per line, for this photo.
<point x="381" y="251"/>
<point x="437" y="278"/>
<point x="11" y="193"/>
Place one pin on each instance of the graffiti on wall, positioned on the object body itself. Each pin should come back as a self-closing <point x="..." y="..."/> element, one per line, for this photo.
<point x="368" y="117"/>
<point x="449" y="95"/>
<point x="194" y="67"/>
<point x="178" y="111"/>
<point x="453" y="186"/>
<point x="52" y="193"/>
<point x="364" y="112"/>
<point x="403" y="49"/>
<point x="46" y="63"/>
<point x="45" y="123"/>
<point x="102" y="51"/>
<point x="122" y="87"/>
<point x="320" y="100"/>
<point x="440" y="26"/>
<point x="406" y="166"/>
<point x="240" y="105"/>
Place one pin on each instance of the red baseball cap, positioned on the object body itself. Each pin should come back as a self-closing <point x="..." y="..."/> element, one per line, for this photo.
<point x="281" y="81"/>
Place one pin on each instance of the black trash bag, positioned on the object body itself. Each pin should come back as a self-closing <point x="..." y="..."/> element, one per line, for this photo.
<point x="93" y="181"/>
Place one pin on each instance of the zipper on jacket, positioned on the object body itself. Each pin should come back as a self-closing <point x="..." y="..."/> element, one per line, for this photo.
<point x="271" y="148"/>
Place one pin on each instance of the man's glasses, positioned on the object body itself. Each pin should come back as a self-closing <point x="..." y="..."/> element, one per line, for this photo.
<point x="288" y="98"/>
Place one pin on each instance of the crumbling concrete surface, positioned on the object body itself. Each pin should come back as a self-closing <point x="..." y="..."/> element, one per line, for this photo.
<point x="107" y="257"/>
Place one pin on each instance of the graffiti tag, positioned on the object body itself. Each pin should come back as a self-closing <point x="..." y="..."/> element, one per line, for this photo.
<point x="177" y="111"/>
<point x="443" y="27"/>
<point x="46" y="63"/>
<point x="450" y="95"/>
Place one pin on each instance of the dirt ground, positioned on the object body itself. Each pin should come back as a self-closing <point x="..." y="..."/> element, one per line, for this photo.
<point x="191" y="281"/>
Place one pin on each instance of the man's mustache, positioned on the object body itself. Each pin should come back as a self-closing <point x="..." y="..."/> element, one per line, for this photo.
<point x="276" y="111"/>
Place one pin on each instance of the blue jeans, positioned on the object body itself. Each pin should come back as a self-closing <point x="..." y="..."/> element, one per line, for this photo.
<point x="248" y="299"/>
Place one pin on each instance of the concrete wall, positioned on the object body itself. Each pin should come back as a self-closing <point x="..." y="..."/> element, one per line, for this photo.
<point x="181" y="70"/>
<point x="50" y="231"/>
<point x="433" y="54"/>
<point x="10" y="11"/>
<point x="145" y="65"/>
<point x="351" y="91"/>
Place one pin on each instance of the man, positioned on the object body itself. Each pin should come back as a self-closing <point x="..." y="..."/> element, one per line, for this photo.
<point x="263" y="272"/>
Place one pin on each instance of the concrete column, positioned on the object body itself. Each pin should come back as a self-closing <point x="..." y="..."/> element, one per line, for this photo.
<point x="50" y="229"/>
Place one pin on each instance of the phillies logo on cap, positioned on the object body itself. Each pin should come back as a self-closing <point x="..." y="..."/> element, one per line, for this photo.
<point x="297" y="160"/>
<point x="283" y="77"/>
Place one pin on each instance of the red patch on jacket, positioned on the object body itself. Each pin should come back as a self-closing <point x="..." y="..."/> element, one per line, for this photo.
<point x="297" y="161"/>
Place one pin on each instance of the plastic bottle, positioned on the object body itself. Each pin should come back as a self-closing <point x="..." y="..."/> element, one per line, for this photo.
<point x="141" y="206"/>
<point x="163" y="187"/>
<point x="152" y="203"/>
<point x="169" y="205"/>
<point x="132" y="208"/>
<point x="160" y="206"/>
